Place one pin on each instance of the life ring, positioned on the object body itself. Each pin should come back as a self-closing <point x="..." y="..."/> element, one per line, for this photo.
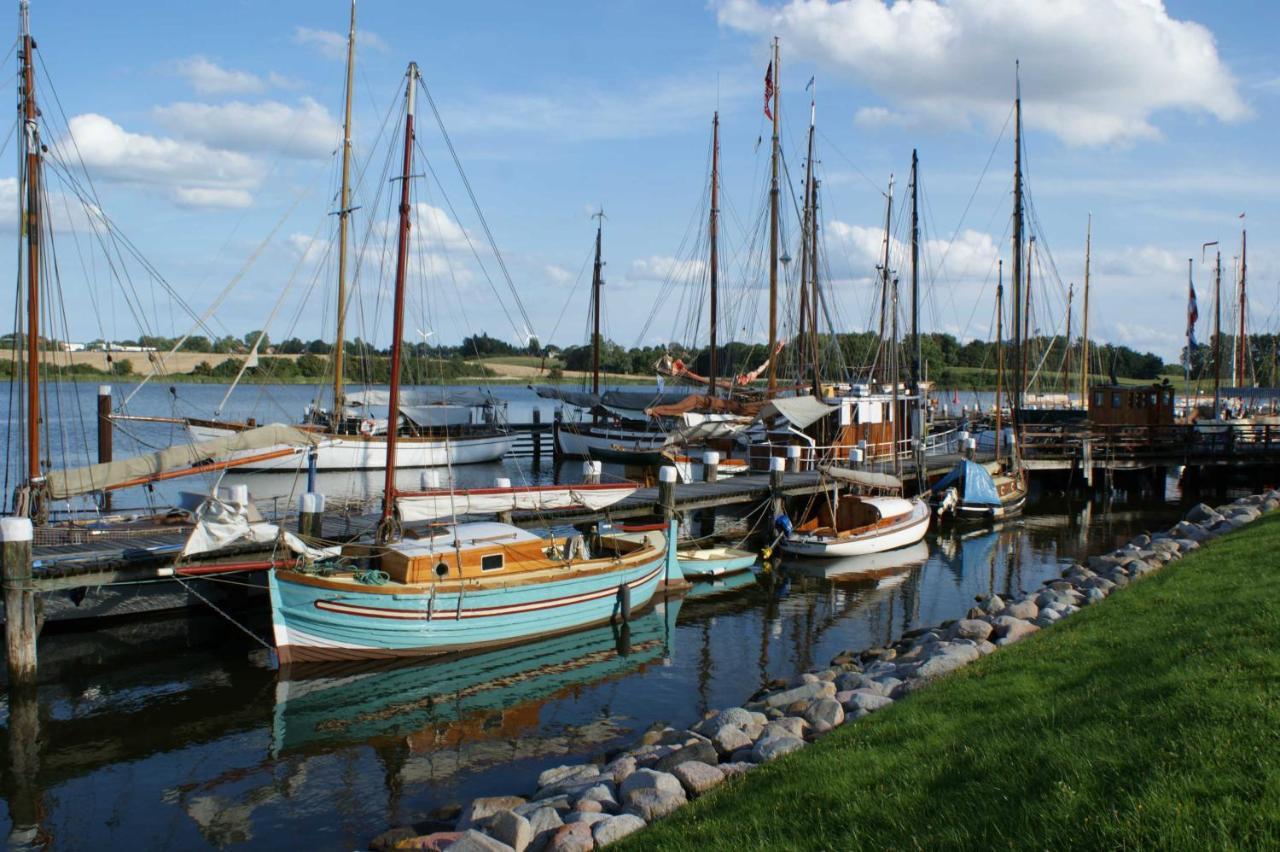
<point x="367" y="426"/>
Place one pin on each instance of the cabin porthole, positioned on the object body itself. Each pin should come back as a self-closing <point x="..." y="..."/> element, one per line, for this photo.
<point x="442" y="570"/>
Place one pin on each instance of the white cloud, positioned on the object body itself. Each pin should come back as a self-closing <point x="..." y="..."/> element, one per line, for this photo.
<point x="194" y="174"/>
<point x="659" y="268"/>
<point x="66" y="211"/>
<point x="207" y="197"/>
<point x="310" y="249"/>
<point x="209" y="78"/>
<point x="1094" y="71"/>
<point x="306" y="130"/>
<point x="437" y="228"/>
<point x="332" y="45"/>
<point x="557" y="274"/>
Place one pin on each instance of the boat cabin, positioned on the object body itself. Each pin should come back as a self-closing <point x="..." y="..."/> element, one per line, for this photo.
<point x="1130" y="405"/>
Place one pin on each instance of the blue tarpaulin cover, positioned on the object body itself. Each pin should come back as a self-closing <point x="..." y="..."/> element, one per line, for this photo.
<point x="976" y="486"/>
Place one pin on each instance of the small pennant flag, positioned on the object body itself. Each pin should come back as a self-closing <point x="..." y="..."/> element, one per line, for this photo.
<point x="768" y="92"/>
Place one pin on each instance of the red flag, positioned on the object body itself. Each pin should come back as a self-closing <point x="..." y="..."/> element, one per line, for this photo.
<point x="768" y="91"/>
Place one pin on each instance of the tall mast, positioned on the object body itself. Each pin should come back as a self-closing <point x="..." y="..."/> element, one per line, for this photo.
<point x="1217" y="335"/>
<point x="1066" y="348"/>
<point x="344" y="211"/>
<point x="32" y="226"/>
<point x="596" y="282"/>
<point x="1242" y="340"/>
<point x="813" y="287"/>
<point x="893" y="379"/>
<point x="999" y="350"/>
<point x="1084" y="343"/>
<point x="884" y="264"/>
<point x="386" y="527"/>
<point x="1026" y="312"/>
<point x="915" y="277"/>
<point x="773" y="228"/>
<point x="714" y="239"/>
<point x="809" y="256"/>
<point x="1018" y="377"/>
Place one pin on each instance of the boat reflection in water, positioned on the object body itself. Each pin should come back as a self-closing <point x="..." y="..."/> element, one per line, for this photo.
<point x="721" y="585"/>
<point x="872" y="566"/>
<point x="494" y="695"/>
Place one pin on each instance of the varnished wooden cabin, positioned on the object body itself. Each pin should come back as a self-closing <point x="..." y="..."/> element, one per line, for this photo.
<point x="1131" y="405"/>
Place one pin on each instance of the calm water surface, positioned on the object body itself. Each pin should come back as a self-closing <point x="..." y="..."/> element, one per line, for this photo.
<point x="180" y="732"/>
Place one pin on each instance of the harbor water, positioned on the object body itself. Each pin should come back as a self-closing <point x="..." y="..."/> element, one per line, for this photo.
<point x="181" y="732"/>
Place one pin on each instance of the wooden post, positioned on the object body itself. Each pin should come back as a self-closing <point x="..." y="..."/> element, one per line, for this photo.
<point x="20" y="629"/>
<point x="503" y="482"/>
<point x="591" y="471"/>
<point x="794" y="458"/>
<point x="667" y="502"/>
<point x="777" y="466"/>
<point x="104" y="435"/>
<point x="311" y="515"/>
<point x="710" y="466"/>
<point x="537" y="437"/>
<point x="556" y="420"/>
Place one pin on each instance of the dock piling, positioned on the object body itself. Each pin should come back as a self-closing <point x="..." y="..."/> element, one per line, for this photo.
<point x="556" y="419"/>
<point x="795" y="456"/>
<point x="591" y="471"/>
<point x="104" y="435"/>
<point x="20" y="629"/>
<point x="310" y="514"/>
<point x="667" y="503"/>
<point x="536" y="433"/>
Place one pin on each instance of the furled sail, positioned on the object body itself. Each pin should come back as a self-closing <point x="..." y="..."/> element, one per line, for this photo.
<point x="107" y="475"/>
<point x="864" y="478"/>
<point x="442" y="503"/>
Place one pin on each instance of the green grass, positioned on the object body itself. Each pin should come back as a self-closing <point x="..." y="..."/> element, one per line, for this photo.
<point x="1151" y="720"/>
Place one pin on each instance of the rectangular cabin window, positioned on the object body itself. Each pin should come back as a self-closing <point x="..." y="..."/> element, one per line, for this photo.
<point x="1098" y="397"/>
<point x="492" y="562"/>
<point x="1115" y="399"/>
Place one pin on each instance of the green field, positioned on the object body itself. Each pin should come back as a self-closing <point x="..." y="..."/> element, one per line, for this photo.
<point x="1150" y="720"/>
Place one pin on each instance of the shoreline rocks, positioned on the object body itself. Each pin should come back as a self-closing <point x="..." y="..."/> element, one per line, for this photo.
<point x="581" y="807"/>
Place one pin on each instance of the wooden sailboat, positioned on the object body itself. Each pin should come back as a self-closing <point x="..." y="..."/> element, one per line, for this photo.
<point x="436" y="427"/>
<point x="463" y="586"/>
<point x="663" y="428"/>
<point x="858" y="526"/>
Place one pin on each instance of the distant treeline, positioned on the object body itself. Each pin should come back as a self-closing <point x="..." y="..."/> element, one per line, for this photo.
<point x="943" y="356"/>
<point x="368" y="369"/>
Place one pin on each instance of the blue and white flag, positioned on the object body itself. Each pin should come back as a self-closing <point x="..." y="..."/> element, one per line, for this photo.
<point x="1193" y="314"/>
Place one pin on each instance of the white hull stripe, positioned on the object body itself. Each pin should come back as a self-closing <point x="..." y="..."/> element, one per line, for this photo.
<point x="452" y="614"/>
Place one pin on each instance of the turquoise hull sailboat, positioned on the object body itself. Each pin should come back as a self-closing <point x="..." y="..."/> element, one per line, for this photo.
<point x="342" y="618"/>
<point x="332" y="706"/>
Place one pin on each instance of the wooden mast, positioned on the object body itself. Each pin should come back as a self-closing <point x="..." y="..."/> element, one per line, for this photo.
<point x="884" y="266"/>
<point x="773" y="228"/>
<point x="344" y="211"/>
<point x="32" y="225"/>
<point x="1066" y="348"/>
<point x="999" y="350"/>
<point x="1026" y="314"/>
<point x="714" y="238"/>
<point x="915" y="276"/>
<point x="1242" y="340"/>
<point x="387" y="529"/>
<point x="809" y="261"/>
<point x="1084" y="343"/>
<point x="596" y="283"/>
<point x="1019" y="375"/>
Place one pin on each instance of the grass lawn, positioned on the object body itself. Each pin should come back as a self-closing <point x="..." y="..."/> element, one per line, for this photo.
<point x="1150" y="720"/>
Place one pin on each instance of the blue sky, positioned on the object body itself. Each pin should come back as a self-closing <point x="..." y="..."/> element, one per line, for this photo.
<point x="208" y="130"/>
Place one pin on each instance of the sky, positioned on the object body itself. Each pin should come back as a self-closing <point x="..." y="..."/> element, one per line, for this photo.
<point x="207" y="135"/>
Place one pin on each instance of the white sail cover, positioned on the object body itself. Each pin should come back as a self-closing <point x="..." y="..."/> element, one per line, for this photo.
<point x="799" y="411"/>
<point x="422" y="396"/>
<point x="865" y="478"/>
<point x="95" y="477"/>
<point x="430" y="505"/>
<point x="220" y="524"/>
